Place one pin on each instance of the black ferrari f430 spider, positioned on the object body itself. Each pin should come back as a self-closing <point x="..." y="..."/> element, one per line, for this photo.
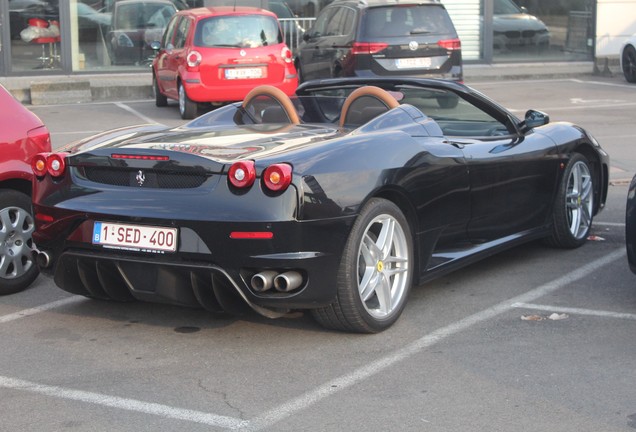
<point x="336" y="200"/>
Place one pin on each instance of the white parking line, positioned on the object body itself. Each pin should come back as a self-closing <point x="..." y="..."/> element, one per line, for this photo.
<point x="612" y="224"/>
<point x="499" y="83"/>
<point x="311" y="397"/>
<point x="124" y="403"/>
<point x="135" y="112"/>
<point x="601" y="83"/>
<point x="345" y="381"/>
<point x="32" y="311"/>
<point x="85" y="104"/>
<point x="575" y="311"/>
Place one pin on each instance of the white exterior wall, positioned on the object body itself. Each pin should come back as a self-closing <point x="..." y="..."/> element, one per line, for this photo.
<point x="467" y="21"/>
<point x="615" y="22"/>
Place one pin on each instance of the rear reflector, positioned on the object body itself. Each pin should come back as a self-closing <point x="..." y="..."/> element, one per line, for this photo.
<point x="255" y="235"/>
<point x="44" y="217"/>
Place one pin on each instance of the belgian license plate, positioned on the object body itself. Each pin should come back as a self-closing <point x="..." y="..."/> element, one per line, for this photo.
<point x="135" y="237"/>
<point x="243" y="73"/>
<point x="415" y="62"/>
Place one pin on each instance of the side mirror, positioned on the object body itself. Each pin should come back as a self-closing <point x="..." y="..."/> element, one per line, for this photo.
<point x="306" y="37"/>
<point x="155" y="45"/>
<point x="524" y="9"/>
<point x="534" y="119"/>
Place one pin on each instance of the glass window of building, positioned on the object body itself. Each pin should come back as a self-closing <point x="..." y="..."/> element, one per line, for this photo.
<point x="524" y="30"/>
<point x="35" y="35"/>
<point x="543" y="29"/>
<point x="117" y="34"/>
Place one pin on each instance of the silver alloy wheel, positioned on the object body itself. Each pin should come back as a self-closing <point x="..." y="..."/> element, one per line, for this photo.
<point x="16" y="227"/>
<point x="182" y="99"/>
<point x="383" y="266"/>
<point x="579" y="200"/>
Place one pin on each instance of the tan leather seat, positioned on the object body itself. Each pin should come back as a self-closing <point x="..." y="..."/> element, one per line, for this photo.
<point x="365" y="103"/>
<point x="280" y="108"/>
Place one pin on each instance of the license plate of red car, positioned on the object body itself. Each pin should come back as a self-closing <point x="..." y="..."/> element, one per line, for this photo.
<point x="135" y="237"/>
<point x="244" y="73"/>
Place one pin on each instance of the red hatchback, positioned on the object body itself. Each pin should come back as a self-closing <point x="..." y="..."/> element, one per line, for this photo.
<point x="218" y="55"/>
<point x="22" y="136"/>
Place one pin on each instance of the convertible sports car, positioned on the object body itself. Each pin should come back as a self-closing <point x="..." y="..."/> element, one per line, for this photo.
<point x="336" y="200"/>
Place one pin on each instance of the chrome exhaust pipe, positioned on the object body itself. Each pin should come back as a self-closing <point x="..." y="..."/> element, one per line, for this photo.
<point x="288" y="281"/>
<point x="42" y="259"/>
<point x="263" y="281"/>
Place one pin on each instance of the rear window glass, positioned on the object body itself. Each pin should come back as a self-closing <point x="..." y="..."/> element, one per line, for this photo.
<point x="406" y="20"/>
<point x="239" y="31"/>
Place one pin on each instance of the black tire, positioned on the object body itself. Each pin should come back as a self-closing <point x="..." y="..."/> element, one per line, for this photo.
<point x="160" y="99"/>
<point x="17" y="266"/>
<point x="628" y="62"/>
<point x="574" y="206"/>
<point x="448" y="102"/>
<point x="187" y="107"/>
<point x="385" y="270"/>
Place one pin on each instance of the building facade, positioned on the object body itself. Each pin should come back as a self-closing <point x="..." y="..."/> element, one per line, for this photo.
<point x="105" y="36"/>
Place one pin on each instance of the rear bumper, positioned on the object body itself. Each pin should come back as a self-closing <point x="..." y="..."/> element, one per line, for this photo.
<point x="453" y="74"/>
<point x="209" y="269"/>
<point x="232" y="90"/>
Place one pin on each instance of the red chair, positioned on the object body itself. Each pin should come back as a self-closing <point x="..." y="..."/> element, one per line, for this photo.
<point x="48" y="43"/>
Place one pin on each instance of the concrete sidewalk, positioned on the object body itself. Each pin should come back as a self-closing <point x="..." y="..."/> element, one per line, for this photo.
<point x="60" y="89"/>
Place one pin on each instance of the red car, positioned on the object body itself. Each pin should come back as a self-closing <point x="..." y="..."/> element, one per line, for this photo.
<point x="218" y="54"/>
<point x="22" y="135"/>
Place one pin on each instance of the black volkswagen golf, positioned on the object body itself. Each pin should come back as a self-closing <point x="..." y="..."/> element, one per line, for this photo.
<point x="381" y="38"/>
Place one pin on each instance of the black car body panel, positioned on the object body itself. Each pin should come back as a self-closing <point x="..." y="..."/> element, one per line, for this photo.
<point x="466" y="196"/>
<point x="630" y="226"/>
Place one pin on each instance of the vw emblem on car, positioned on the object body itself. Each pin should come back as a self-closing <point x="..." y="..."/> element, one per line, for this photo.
<point x="242" y="53"/>
<point x="413" y="45"/>
<point x="141" y="178"/>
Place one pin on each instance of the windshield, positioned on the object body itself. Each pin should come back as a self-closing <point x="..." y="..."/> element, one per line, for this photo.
<point x="238" y="31"/>
<point x="506" y="7"/>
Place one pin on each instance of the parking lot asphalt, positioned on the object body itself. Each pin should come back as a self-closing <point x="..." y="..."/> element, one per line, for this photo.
<point x="82" y="88"/>
<point x="531" y="339"/>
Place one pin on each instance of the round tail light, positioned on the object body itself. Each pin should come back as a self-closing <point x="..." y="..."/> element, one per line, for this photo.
<point x="286" y="54"/>
<point x="55" y="164"/>
<point x="38" y="164"/>
<point x="277" y="177"/>
<point x="194" y="59"/>
<point x="242" y="174"/>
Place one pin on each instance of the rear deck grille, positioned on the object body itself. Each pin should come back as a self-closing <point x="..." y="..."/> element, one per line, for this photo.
<point x="143" y="178"/>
